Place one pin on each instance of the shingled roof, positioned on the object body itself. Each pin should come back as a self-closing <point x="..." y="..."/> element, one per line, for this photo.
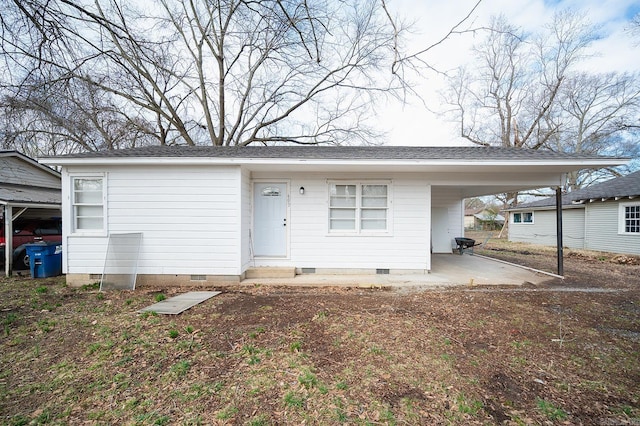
<point x="622" y="187"/>
<point x="336" y="153"/>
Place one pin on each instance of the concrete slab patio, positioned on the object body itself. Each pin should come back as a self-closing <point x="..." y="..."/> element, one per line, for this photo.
<point x="448" y="270"/>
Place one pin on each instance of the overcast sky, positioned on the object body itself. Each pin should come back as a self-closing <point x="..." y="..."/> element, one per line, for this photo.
<point x="415" y="125"/>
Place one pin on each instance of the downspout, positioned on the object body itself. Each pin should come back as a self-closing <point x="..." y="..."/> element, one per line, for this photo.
<point x="559" y="230"/>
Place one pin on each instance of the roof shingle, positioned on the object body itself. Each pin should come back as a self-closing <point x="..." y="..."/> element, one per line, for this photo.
<point x="622" y="187"/>
<point x="336" y="152"/>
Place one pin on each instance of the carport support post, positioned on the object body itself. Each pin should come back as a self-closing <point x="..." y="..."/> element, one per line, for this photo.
<point x="8" y="239"/>
<point x="559" y="230"/>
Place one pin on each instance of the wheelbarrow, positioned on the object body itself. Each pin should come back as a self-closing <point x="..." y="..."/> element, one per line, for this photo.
<point x="465" y="244"/>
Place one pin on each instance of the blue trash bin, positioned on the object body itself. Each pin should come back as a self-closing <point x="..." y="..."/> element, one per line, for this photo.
<point x="45" y="259"/>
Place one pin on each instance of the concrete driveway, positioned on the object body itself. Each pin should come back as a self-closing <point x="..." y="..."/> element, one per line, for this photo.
<point x="448" y="270"/>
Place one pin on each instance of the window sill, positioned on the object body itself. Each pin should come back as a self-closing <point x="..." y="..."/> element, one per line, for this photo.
<point x="360" y="234"/>
<point x="89" y="234"/>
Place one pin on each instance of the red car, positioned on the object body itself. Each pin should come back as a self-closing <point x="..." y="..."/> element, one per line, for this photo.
<point x="29" y="231"/>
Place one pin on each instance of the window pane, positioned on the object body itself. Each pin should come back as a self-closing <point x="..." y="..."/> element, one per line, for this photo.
<point x="374" y="190"/>
<point x="374" y="213"/>
<point x="343" y="196"/>
<point x="374" y="224"/>
<point x="374" y="195"/>
<point x="632" y="219"/>
<point x="517" y="218"/>
<point x="89" y="223"/>
<point x="528" y="217"/>
<point x="87" y="191"/>
<point x="342" y="219"/>
<point x="343" y="214"/>
<point x="85" y="184"/>
<point x="88" y="197"/>
<point x="342" y="224"/>
<point x="373" y="219"/>
<point x="89" y="211"/>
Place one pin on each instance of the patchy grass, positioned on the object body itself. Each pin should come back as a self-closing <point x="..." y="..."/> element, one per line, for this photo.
<point x="270" y="355"/>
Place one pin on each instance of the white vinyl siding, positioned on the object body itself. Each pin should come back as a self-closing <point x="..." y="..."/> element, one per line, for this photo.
<point x="543" y="231"/>
<point x="451" y="200"/>
<point x="245" y="218"/>
<point x="189" y="216"/>
<point x="16" y="171"/>
<point x="404" y="247"/>
<point x="603" y="229"/>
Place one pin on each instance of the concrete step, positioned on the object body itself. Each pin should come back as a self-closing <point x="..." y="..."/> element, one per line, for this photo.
<point x="270" y="272"/>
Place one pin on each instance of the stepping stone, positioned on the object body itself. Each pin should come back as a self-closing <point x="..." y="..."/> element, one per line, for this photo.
<point x="177" y="304"/>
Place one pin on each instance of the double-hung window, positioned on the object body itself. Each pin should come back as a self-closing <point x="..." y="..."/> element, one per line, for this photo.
<point x="629" y="219"/>
<point x="358" y="207"/>
<point x="88" y="204"/>
<point x="524" y="217"/>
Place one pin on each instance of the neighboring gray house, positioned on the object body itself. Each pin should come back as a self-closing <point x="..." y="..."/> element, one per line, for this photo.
<point x="482" y="220"/>
<point x="28" y="189"/>
<point x="602" y="217"/>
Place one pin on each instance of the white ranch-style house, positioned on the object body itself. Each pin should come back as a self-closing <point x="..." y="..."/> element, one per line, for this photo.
<point x="602" y="217"/>
<point x="211" y="214"/>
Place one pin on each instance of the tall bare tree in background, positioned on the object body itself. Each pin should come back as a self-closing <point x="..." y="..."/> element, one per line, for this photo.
<point x="222" y="72"/>
<point x="525" y="91"/>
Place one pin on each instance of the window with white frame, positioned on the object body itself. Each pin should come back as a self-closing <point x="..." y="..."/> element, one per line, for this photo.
<point x="629" y="220"/>
<point x="358" y="207"/>
<point x="88" y="203"/>
<point x="523" y="217"/>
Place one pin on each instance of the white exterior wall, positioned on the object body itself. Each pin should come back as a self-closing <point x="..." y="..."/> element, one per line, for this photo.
<point x="189" y="216"/>
<point x="405" y="247"/>
<point x="451" y="199"/>
<point x="543" y="229"/>
<point x="245" y="231"/>
<point x="602" y="229"/>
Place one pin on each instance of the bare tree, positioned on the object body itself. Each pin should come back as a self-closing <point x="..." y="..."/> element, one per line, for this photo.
<point x="225" y="72"/>
<point x="509" y="97"/>
<point x="599" y="115"/>
<point x="524" y="91"/>
<point x="220" y="72"/>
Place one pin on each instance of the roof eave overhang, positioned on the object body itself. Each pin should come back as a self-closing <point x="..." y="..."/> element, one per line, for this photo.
<point x="540" y="208"/>
<point x="264" y="164"/>
<point x="30" y="204"/>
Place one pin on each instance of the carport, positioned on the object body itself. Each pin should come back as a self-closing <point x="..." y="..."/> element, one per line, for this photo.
<point x="28" y="190"/>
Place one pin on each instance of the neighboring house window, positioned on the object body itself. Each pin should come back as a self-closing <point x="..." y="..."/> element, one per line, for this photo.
<point x="88" y="204"/>
<point x="358" y="207"/>
<point x="629" y="218"/>
<point x="524" y="217"/>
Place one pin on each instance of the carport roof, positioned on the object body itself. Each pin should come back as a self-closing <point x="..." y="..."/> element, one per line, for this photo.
<point x="28" y="195"/>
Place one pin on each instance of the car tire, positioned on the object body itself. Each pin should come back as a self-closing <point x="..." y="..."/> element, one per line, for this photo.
<point x="21" y="261"/>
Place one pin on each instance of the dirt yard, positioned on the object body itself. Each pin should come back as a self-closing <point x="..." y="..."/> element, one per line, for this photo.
<point x="563" y="353"/>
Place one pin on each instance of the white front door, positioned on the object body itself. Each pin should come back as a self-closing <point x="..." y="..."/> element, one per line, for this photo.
<point x="440" y="234"/>
<point x="270" y="219"/>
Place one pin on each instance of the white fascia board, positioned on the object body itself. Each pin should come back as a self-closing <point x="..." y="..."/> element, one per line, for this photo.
<point x="542" y="208"/>
<point x="572" y="164"/>
<point x="31" y="205"/>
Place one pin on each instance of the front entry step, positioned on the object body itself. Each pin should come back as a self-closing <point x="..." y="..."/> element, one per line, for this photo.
<point x="270" y="272"/>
